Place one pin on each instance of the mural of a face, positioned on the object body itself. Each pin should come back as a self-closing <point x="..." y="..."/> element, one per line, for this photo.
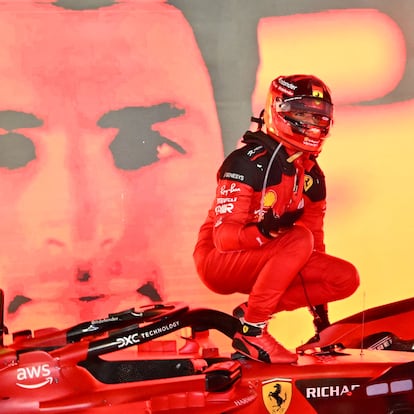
<point x="109" y="143"/>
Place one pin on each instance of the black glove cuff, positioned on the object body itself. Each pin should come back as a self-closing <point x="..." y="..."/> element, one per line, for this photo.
<point x="264" y="231"/>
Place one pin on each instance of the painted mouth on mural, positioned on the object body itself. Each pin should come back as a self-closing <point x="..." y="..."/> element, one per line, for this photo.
<point x="147" y="290"/>
<point x="91" y="298"/>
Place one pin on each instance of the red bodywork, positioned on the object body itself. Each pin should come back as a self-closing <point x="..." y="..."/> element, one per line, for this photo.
<point x="125" y="363"/>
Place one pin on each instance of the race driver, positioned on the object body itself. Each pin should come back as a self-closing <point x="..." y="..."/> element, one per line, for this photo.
<point x="264" y="235"/>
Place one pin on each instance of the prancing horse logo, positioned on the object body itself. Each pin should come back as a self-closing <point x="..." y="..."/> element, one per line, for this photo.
<point x="277" y="395"/>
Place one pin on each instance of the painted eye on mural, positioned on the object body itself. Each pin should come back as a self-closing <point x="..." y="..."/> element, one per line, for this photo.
<point x="136" y="144"/>
<point x="16" y="150"/>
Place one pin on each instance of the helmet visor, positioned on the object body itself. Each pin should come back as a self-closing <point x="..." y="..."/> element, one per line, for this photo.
<point x="306" y="104"/>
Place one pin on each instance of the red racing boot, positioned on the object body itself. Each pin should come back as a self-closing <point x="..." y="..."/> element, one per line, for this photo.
<point x="239" y="311"/>
<point x="256" y="343"/>
<point x="320" y="322"/>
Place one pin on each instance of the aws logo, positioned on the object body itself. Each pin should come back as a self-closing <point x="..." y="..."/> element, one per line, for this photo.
<point x="35" y="376"/>
<point x="277" y="395"/>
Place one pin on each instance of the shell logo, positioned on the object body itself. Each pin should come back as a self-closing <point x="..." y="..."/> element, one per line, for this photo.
<point x="269" y="199"/>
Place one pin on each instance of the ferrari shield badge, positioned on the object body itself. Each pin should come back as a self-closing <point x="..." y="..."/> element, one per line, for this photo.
<point x="277" y="394"/>
<point x="308" y="182"/>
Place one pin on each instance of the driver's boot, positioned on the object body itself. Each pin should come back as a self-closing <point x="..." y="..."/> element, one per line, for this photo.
<point x="320" y="321"/>
<point x="256" y="343"/>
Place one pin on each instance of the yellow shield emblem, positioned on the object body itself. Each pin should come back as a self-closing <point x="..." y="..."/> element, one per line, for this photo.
<point x="269" y="199"/>
<point x="277" y="395"/>
<point x="308" y="182"/>
<point x="317" y="91"/>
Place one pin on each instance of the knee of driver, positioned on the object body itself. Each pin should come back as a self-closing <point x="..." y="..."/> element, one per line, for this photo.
<point x="347" y="279"/>
<point x="353" y="278"/>
<point x="303" y="238"/>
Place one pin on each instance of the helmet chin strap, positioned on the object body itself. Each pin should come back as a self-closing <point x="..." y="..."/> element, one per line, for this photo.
<point x="294" y="157"/>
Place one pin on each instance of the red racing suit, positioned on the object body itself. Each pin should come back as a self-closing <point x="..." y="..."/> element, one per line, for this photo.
<point x="278" y="273"/>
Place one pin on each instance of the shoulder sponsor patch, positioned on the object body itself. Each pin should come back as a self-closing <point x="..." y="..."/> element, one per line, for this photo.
<point x="233" y="176"/>
<point x="308" y="182"/>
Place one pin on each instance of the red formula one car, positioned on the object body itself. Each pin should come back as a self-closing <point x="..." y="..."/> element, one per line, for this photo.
<point x="126" y="363"/>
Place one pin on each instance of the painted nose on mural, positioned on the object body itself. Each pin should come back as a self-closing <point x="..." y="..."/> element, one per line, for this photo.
<point x="96" y="202"/>
<point x="71" y="219"/>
